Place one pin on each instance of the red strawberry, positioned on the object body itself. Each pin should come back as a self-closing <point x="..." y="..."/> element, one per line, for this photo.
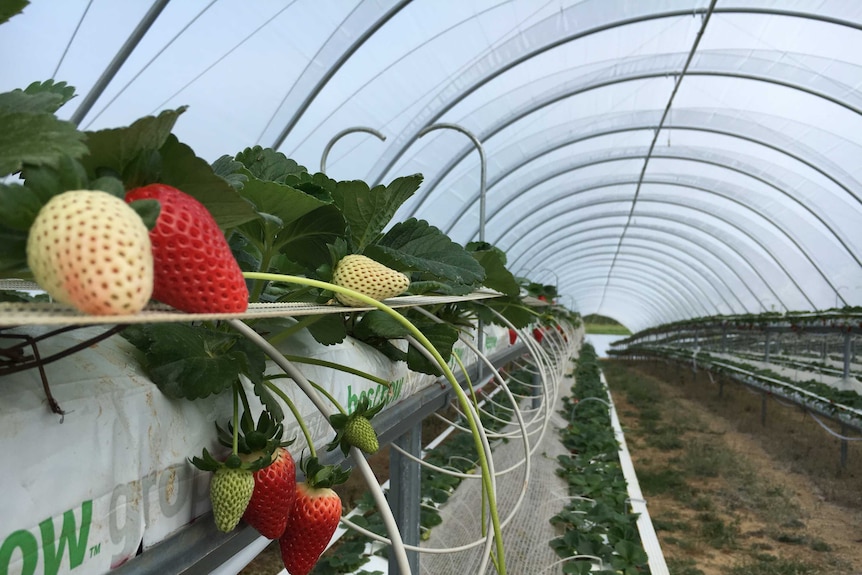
<point x="274" y="495"/>
<point x="316" y="513"/>
<point x="513" y="336"/>
<point x="195" y="270"/>
<point x="538" y="334"/>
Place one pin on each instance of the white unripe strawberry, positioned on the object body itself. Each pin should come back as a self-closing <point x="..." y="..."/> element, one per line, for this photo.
<point x="368" y="277"/>
<point x="91" y="250"/>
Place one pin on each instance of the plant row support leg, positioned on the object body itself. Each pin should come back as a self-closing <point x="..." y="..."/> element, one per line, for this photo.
<point x="405" y="493"/>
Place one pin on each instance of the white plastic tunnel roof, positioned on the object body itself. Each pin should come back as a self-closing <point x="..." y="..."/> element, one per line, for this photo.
<point x="656" y="160"/>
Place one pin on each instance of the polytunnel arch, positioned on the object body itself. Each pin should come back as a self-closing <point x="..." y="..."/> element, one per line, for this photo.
<point x="686" y="153"/>
<point x="671" y="308"/>
<point x="677" y="265"/>
<point x="672" y="283"/>
<point x="705" y="122"/>
<point x="658" y="246"/>
<point x="694" y="295"/>
<point x="387" y="162"/>
<point x="681" y="155"/>
<point x="701" y="210"/>
<point x="566" y="226"/>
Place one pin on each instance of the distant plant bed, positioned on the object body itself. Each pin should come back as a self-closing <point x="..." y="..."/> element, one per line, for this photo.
<point x="606" y="329"/>
<point x="602" y="325"/>
<point x="598" y="528"/>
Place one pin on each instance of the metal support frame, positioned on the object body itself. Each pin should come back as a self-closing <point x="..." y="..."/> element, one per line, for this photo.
<point x="483" y="178"/>
<point x="405" y="495"/>
<point x="847" y="354"/>
<point x="482" y="165"/>
<point x="117" y="62"/>
<point x="201" y="548"/>
<point x="342" y="133"/>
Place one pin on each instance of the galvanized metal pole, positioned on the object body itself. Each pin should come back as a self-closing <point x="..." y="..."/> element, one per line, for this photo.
<point x="405" y="493"/>
<point x="483" y="169"/>
<point x="339" y="135"/>
<point x="117" y="62"/>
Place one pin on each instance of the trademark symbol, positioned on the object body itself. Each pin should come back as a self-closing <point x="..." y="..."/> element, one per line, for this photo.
<point x="94" y="550"/>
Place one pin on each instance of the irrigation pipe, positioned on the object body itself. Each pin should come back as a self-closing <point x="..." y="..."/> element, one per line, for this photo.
<point x="363" y="466"/>
<point x="431" y="550"/>
<point x="833" y="433"/>
<point x="428" y="348"/>
<point x="488" y="472"/>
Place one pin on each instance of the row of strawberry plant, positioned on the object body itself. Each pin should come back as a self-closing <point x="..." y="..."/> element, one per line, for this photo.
<point x="814" y="393"/>
<point x="598" y="528"/>
<point x="251" y="228"/>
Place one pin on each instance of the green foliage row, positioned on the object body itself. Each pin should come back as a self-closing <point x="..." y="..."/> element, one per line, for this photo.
<point x="597" y="521"/>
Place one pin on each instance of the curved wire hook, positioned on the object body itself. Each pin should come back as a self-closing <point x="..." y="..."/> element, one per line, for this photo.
<point x="342" y="133"/>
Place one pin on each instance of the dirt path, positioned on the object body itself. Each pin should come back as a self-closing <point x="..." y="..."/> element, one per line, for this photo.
<point x="732" y="497"/>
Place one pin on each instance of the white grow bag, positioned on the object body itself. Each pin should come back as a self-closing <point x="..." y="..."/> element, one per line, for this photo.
<point x="84" y="495"/>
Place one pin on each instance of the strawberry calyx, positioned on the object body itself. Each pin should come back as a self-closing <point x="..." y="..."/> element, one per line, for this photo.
<point x="355" y="430"/>
<point x="206" y="462"/>
<point x="319" y="476"/>
<point x="256" y="443"/>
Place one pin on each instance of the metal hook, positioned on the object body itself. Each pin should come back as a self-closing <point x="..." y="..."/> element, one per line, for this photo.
<point x="338" y="136"/>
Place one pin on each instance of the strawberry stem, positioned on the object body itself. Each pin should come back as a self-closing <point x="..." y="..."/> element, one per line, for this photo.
<point x="235" y="419"/>
<point x="320" y="389"/>
<point x="292" y="407"/>
<point x="447" y="372"/>
<point x="298" y="326"/>
<point x="339" y="367"/>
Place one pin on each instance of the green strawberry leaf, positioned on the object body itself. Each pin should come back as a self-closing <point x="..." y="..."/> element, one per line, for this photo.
<point x="270" y="402"/>
<point x="37" y="98"/>
<point x="329" y="329"/>
<point x="37" y="139"/>
<point x="420" y="287"/>
<point x="148" y="210"/>
<point x="368" y="211"/>
<point x="13" y="254"/>
<point x="493" y="261"/>
<point x="443" y="337"/>
<point x="279" y="200"/>
<point x="512" y="308"/>
<point x="116" y="148"/>
<point x="305" y="240"/>
<point x="182" y="169"/>
<point x="18" y="207"/>
<point x="11" y="8"/>
<point x="318" y="185"/>
<point x="110" y="185"/>
<point x="48" y="181"/>
<point x="191" y="361"/>
<point x="268" y="165"/>
<point x="229" y="169"/>
<point x="416" y="246"/>
<point x="379" y="324"/>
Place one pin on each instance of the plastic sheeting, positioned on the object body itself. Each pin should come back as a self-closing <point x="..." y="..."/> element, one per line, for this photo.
<point x="656" y="160"/>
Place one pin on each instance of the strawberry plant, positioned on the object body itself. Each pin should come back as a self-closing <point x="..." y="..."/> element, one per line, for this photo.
<point x="597" y="521"/>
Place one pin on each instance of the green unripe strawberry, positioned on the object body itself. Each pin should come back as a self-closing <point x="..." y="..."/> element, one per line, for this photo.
<point x="355" y="430"/>
<point x="368" y="277"/>
<point x="230" y="491"/>
<point x="359" y="433"/>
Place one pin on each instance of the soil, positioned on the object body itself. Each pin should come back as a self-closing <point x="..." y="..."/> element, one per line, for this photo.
<point x="781" y="503"/>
